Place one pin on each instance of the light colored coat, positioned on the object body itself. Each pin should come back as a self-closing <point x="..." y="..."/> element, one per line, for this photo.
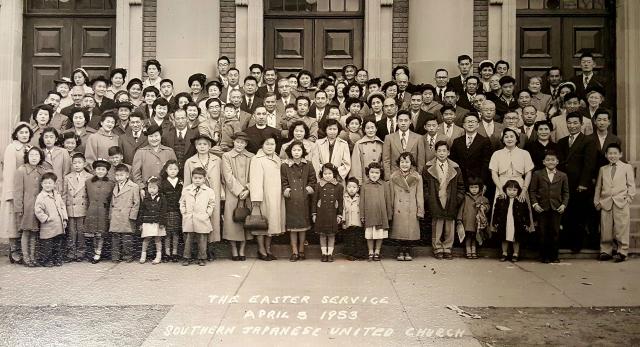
<point x="618" y="190"/>
<point x="196" y="209"/>
<point x="213" y="181"/>
<point x="147" y="162"/>
<point x="341" y="157"/>
<point x="61" y="164"/>
<point x="125" y="203"/>
<point x="455" y="133"/>
<point x="393" y="148"/>
<point x="74" y="194"/>
<point x="560" y="129"/>
<point x="265" y="187"/>
<point x="407" y="204"/>
<point x="51" y="212"/>
<point x="13" y="158"/>
<point x="365" y="152"/>
<point x="98" y="145"/>
<point x="27" y="184"/>
<point x="235" y="175"/>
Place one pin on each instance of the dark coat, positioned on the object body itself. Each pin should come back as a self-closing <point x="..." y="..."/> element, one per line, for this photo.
<point x="421" y="120"/>
<point x="328" y="201"/>
<point x="549" y="195"/>
<point x="538" y="151"/>
<point x="27" y="186"/>
<point x="296" y="178"/>
<point x="520" y="218"/>
<point x="171" y="196"/>
<point x="455" y="190"/>
<point x="254" y="104"/>
<point x="578" y="161"/>
<point x="374" y="204"/>
<point x="473" y="161"/>
<point x="503" y="107"/>
<point x="99" y="192"/>
<point x="455" y="83"/>
<point x="170" y="139"/>
<point x="130" y="146"/>
<point x="107" y="104"/>
<point x="382" y="130"/>
<point x="153" y="210"/>
<point x="257" y="136"/>
<point x="611" y="138"/>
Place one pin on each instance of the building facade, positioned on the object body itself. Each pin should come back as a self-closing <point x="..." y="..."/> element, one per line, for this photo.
<point x="43" y="40"/>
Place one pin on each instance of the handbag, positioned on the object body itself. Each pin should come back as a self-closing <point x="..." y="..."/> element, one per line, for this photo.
<point x="256" y="222"/>
<point x="241" y="211"/>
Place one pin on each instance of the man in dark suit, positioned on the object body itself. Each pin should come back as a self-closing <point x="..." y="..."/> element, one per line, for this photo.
<point x="250" y="101"/>
<point x="223" y="69"/>
<point x="133" y="139"/>
<point x="442" y="80"/>
<point x="233" y="83"/>
<point x="269" y="86"/>
<point x="319" y="109"/>
<point x="451" y="99"/>
<point x="418" y="116"/>
<point x="467" y="97"/>
<point x="603" y="137"/>
<point x="465" y="66"/>
<point x="472" y="151"/>
<point x="578" y="157"/>
<point x="76" y="93"/>
<point x="588" y="78"/>
<point x="529" y="117"/>
<point x="404" y="95"/>
<point x="388" y="124"/>
<point x="554" y="79"/>
<point x="180" y="138"/>
<point x="506" y="102"/>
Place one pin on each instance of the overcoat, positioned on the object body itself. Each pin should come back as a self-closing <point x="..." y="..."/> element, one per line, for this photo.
<point x="171" y="195"/>
<point x="469" y="210"/>
<point x="266" y="188"/>
<point x="99" y="191"/>
<point x="61" y="165"/>
<point x="454" y="184"/>
<point x="407" y="203"/>
<point x="148" y="162"/>
<point x="27" y="185"/>
<point x="13" y="158"/>
<point x="74" y="193"/>
<point x="51" y="212"/>
<point x="212" y="167"/>
<point x="296" y="178"/>
<point x="373" y="204"/>
<point x="520" y="218"/>
<point x="340" y="157"/>
<point x="196" y="206"/>
<point x="153" y="210"/>
<point x="365" y="152"/>
<point x="98" y="145"/>
<point x="235" y="175"/>
<point x="84" y="138"/>
<point x="125" y="204"/>
<point x="328" y="202"/>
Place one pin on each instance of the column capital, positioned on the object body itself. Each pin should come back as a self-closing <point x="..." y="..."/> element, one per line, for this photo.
<point x="135" y="2"/>
<point x="242" y="3"/>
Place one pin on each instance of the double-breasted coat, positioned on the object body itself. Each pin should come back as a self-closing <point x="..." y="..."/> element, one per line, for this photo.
<point x="328" y="202"/>
<point x="196" y="205"/>
<point x="148" y="162"/>
<point x="99" y="191"/>
<point x="407" y="204"/>
<point x="153" y="210"/>
<point x="52" y="213"/>
<point x="521" y="219"/>
<point x="212" y="165"/>
<point x="171" y="195"/>
<point x="74" y="193"/>
<point x="365" y="152"/>
<point x="27" y="185"/>
<point x="451" y="190"/>
<point x="265" y="187"/>
<point x="13" y="158"/>
<point x="295" y="178"/>
<point x="125" y="204"/>
<point x="98" y="145"/>
<point x="235" y="175"/>
<point x="374" y="204"/>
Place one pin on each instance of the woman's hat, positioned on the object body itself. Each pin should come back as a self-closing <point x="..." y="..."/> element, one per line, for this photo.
<point x="241" y="135"/>
<point x="84" y="72"/>
<point x="203" y="136"/>
<point x="100" y="162"/>
<point x="594" y="89"/>
<point x="126" y="104"/>
<point x="200" y="77"/>
<point x="63" y="80"/>
<point x="152" y="129"/>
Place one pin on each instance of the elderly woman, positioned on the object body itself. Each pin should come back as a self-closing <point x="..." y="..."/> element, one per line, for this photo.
<point x="41" y="115"/>
<point x="14" y="156"/>
<point x="79" y="118"/>
<point x="299" y="132"/>
<point x="98" y="144"/>
<point x="539" y="99"/>
<point x="511" y="163"/>
<point x="366" y="151"/>
<point x="265" y="188"/>
<point x="538" y="148"/>
<point x="429" y="104"/>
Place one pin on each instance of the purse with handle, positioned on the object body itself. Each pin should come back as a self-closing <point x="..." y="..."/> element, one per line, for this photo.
<point x="241" y="211"/>
<point x="256" y="221"/>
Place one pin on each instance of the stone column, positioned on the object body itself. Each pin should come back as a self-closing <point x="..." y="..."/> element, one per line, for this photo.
<point x="439" y="31"/>
<point x="129" y="36"/>
<point x="378" y="28"/>
<point x="249" y="34"/>
<point x="10" y="67"/>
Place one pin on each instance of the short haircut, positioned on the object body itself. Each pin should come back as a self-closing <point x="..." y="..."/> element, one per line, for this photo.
<point x="509" y="130"/>
<point x="199" y="171"/>
<point x="296" y="124"/>
<point x="37" y="149"/>
<point x="374" y="165"/>
<point x="78" y="155"/>
<point x="441" y="143"/>
<point x="302" y="97"/>
<point x="288" y="106"/>
<point x="403" y="112"/>
<point x="570" y="95"/>
<point x="352" y="180"/>
<point x="166" y="80"/>
<point x="150" y="89"/>
<point x="441" y="70"/>
<point x="329" y="122"/>
<point x="472" y="77"/>
<point x="506" y="80"/>
<point x="114" y="150"/>
<point x="160" y="102"/>
<point x="553" y="68"/>
<point x="318" y="92"/>
<point x="332" y="168"/>
<point x="48" y="176"/>
<point x="600" y="111"/>
<point x="250" y="78"/>
<point x="14" y="134"/>
<point x="374" y="81"/>
<point x="44" y="107"/>
<point x="471" y="114"/>
<point x="524" y="90"/>
<point x="400" y="67"/>
<point x="351" y="101"/>
<point x="376" y="96"/>
<point x="152" y="62"/>
<point x="224" y="57"/>
<point x="133" y="82"/>
<point x="296" y="143"/>
<point x="388" y="85"/>
<point x="212" y="100"/>
<point x="475" y="181"/>
<point x="108" y="114"/>
<point x="447" y="108"/>
<point x="575" y="114"/>
<point x="551" y="152"/>
<point x="122" y="168"/>
<point x="256" y="66"/>
<point x="502" y="62"/>
<point x="70" y="135"/>
<point x="586" y="54"/>
<point x="613" y="145"/>
<point x="352" y="118"/>
<point x="543" y="122"/>
<point x="464" y="57"/>
<point x="48" y="130"/>
<point x="512" y="184"/>
<point x="405" y="155"/>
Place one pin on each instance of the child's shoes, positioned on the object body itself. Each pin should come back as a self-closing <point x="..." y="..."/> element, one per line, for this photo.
<point x="143" y="258"/>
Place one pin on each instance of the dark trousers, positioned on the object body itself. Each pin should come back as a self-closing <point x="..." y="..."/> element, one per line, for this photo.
<point x="52" y="249"/>
<point x="354" y="243"/>
<point x="124" y="242"/>
<point x="75" y="238"/>
<point x="549" y="224"/>
<point x="201" y="239"/>
<point x="575" y="220"/>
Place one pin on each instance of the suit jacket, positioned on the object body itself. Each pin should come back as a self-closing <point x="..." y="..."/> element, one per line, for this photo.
<point x="578" y="161"/>
<point x="224" y="93"/>
<point x="463" y="101"/>
<point x="611" y="138"/>
<point x="532" y="137"/>
<point x="618" y="190"/>
<point x="312" y="112"/>
<point x="280" y="104"/>
<point x="437" y="97"/>
<point x="548" y="194"/>
<point x="255" y="104"/>
<point x="560" y="129"/>
<point x="455" y="133"/>
<point x="503" y="107"/>
<point x="262" y="91"/>
<point x="473" y="161"/>
<point x="541" y="101"/>
<point x="430" y="153"/>
<point x="107" y="104"/>
<point x="495" y="137"/>
<point x="383" y="131"/>
<point x="129" y="145"/>
<point x="170" y="138"/>
<point x="458" y="120"/>
<point x="392" y="148"/>
<point x="456" y="83"/>
<point x="404" y="99"/>
<point x="417" y="124"/>
<point x="596" y="80"/>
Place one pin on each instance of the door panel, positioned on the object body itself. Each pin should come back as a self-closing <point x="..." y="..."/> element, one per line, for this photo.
<point x="539" y="42"/>
<point x="94" y="44"/>
<point x="289" y="44"/>
<point x="586" y="34"/>
<point x="338" y="42"/>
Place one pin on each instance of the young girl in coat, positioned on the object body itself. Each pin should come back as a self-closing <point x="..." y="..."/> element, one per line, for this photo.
<point x="171" y="189"/>
<point x="153" y="219"/>
<point x="327" y="209"/>
<point x="511" y="218"/>
<point x="52" y="214"/>
<point x="298" y="179"/>
<point x="472" y="216"/>
<point x="373" y="210"/>
<point x="407" y="203"/>
<point x="27" y="186"/>
<point x="99" y="192"/>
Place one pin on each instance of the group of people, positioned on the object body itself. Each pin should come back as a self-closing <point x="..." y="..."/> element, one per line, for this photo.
<point x="107" y="163"/>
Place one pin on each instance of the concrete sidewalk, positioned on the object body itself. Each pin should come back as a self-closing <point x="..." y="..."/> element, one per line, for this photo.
<point x="403" y="300"/>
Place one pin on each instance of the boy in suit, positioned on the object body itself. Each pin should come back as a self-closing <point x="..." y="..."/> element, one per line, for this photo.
<point x="74" y="195"/>
<point x="615" y="188"/>
<point x="431" y="137"/>
<point x="549" y="194"/>
<point x="403" y="140"/>
<point x="447" y="129"/>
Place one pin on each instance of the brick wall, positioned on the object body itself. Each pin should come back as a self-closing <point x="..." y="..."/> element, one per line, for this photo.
<point x="228" y="29"/>
<point x="149" y="20"/>
<point x="480" y="31"/>
<point x="400" y="32"/>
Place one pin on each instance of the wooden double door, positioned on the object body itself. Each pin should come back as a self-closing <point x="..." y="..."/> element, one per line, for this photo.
<point x="59" y="36"/>
<point x="317" y="45"/>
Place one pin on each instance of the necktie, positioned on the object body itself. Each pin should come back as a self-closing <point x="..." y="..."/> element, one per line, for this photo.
<point x="613" y="170"/>
<point x="197" y="190"/>
<point x="449" y="127"/>
<point x="250" y="102"/>
<point x="404" y="140"/>
<point x="392" y="126"/>
<point x="442" y="167"/>
<point x="48" y="156"/>
<point x="180" y="135"/>
<point x="469" y="140"/>
<point x="586" y="81"/>
<point x="571" y="139"/>
<point x="440" y="93"/>
<point x="431" y="143"/>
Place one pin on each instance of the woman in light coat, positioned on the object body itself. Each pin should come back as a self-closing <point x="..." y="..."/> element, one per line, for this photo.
<point x="98" y="144"/>
<point x="366" y="151"/>
<point x="149" y="160"/>
<point x="266" y="195"/>
<point x="340" y="156"/>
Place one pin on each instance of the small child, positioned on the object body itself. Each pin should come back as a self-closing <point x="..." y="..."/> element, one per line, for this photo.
<point x="153" y="219"/>
<point x="70" y="141"/>
<point x="327" y="209"/>
<point x="27" y="186"/>
<point x="373" y="210"/>
<point x="353" y="131"/>
<point x="171" y="189"/>
<point x="298" y="179"/>
<point x="615" y="189"/>
<point x="124" y="213"/>
<point x="99" y="192"/>
<point x="549" y="194"/>
<point x="511" y="219"/>
<point x="407" y="205"/>
<point x="115" y="158"/>
<point x="57" y="157"/>
<point x="75" y="197"/>
<point x="472" y="216"/>
<point x="354" y="243"/>
<point x="52" y="214"/>
<point x="444" y="188"/>
<point x="196" y="205"/>
<point x="230" y="126"/>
